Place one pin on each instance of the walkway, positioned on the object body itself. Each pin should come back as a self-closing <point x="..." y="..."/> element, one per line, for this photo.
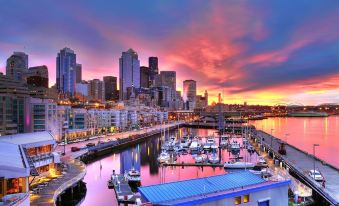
<point x="47" y="197"/>
<point x="303" y="162"/>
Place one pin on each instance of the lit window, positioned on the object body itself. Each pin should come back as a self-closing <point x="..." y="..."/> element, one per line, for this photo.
<point x="237" y="200"/>
<point x="246" y="198"/>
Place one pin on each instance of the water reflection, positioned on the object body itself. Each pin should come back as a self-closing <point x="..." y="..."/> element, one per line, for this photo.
<point x="304" y="132"/>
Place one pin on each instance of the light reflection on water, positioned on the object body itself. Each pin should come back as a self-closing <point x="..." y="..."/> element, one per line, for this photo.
<point x="304" y="132"/>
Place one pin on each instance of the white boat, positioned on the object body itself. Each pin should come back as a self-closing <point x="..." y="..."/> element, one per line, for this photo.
<point x="164" y="157"/>
<point x="213" y="158"/>
<point x="195" y="145"/>
<point x="262" y="161"/>
<point x="209" y="142"/>
<point x="184" y="143"/>
<point x="238" y="165"/>
<point x="133" y="175"/>
<point x="200" y="158"/>
<point x="172" y="141"/>
<point x="224" y="140"/>
<point x="235" y="146"/>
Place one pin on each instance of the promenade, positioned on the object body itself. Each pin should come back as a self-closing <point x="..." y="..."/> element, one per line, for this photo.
<point x="76" y="171"/>
<point x="302" y="162"/>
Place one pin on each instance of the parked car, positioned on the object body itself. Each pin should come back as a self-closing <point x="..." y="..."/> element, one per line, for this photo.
<point x="316" y="175"/>
<point x="75" y="149"/>
<point x="91" y="144"/>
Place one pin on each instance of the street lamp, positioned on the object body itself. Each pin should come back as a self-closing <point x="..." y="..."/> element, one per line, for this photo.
<point x="314" y="145"/>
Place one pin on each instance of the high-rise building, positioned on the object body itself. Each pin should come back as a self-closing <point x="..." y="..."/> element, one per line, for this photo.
<point x="78" y="72"/>
<point x="82" y="90"/>
<point x="145" y="77"/>
<point x="129" y="74"/>
<point x="16" y="66"/>
<point x="37" y="76"/>
<point x="206" y="98"/>
<point x="153" y="65"/>
<point x="168" y="78"/>
<point x="14" y="106"/>
<point x="97" y="90"/>
<point x="66" y="71"/>
<point x="111" y="92"/>
<point x="190" y="93"/>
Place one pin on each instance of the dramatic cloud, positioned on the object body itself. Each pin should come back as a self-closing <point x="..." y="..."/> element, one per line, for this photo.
<point x="254" y="51"/>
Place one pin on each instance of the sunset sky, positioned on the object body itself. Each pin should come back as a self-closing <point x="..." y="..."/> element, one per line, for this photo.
<point x="264" y="52"/>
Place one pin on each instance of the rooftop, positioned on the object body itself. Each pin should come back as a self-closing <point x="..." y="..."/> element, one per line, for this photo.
<point x="173" y="193"/>
<point x="12" y="163"/>
<point x="33" y="139"/>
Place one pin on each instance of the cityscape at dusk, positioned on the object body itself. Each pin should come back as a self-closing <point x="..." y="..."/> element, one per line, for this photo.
<point x="260" y="52"/>
<point x="181" y="102"/>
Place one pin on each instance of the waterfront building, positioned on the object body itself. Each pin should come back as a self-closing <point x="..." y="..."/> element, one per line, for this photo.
<point x="14" y="106"/>
<point x="154" y="69"/>
<point x="201" y="101"/>
<point x="238" y="188"/>
<point x="145" y="75"/>
<point x="66" y="71"/>
<point x="37" y="76"/>
<point x="44" y="116"/>
<point x="80" y="124"/>
<point x="17" y="66"/>
<point x="38" y="149"/>
<point x="64" y="121"/>
<point x="97" y="90"/>
<point x="78" y="73"/>
<point x="190" y="93"/>
<point x="14" y="175"/>
<point x="132" y="118"/>
<point x="111" y="91"/>
<point x="129" y="74"/>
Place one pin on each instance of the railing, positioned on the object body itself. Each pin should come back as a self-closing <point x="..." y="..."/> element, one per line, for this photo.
<point x="70" y="182"/>
<point x="33" y="170"/>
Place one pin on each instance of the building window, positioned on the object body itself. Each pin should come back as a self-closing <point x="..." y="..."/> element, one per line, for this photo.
<point x="237" y="200"/>
<point x="246" y="198"/>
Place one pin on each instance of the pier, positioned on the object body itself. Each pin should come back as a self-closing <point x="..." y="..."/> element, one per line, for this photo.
<point x="299" y="163"/>
<point x="123" y="191"/>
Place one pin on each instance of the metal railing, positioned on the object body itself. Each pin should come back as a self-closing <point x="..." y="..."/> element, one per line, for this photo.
<point x="70" y="182"/>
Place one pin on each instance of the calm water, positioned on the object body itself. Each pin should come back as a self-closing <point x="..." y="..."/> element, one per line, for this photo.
<point x="304" y="132"/>
<point x="144" y="158"/>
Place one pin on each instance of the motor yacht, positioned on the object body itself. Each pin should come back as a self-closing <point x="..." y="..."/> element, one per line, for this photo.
<point x="238" y="165"/>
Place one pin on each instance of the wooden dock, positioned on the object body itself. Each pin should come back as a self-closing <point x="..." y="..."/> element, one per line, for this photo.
<point x="123" y="191"/>
<point x="192" y="165"/>
<point x="300" y="162"/>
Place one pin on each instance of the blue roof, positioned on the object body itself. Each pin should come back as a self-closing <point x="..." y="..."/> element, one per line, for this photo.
<point x="197" y="187"/>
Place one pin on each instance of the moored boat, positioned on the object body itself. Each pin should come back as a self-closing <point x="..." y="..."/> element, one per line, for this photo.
<point x="238" y="165"/>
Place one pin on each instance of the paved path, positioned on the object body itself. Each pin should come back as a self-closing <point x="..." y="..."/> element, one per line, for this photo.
<point x="76" y="169"/>
<point x="304" y="162"/>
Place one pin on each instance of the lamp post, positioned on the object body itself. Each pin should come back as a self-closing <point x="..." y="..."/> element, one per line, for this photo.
<point x="314" y="145"/>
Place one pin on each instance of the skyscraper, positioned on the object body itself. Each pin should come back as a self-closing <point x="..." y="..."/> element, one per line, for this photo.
<point x="129" y="73"/>
<point x="16" y="66"/>
<point x="78" y="73"/>
<point x="111" y="91"/>
<point x="145" y="77"/>
<point x="37" y="76"/>
<point x="66" y="71"/>
<point x="168" y="78"/>
<point x="190" y="93"/>
<point x="153" y="65"/>
<point x="97" y="90"/>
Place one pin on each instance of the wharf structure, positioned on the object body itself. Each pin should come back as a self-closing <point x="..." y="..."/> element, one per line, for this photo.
<point x="299" y="163"/>
<point x="238" y="188"/>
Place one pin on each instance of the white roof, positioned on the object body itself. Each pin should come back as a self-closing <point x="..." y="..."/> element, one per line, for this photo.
<point x="12" y="162"/>
<point x="34" y="139"/>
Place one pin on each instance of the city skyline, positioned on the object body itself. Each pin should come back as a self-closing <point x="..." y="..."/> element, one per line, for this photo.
<point x="250" y="51"/>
